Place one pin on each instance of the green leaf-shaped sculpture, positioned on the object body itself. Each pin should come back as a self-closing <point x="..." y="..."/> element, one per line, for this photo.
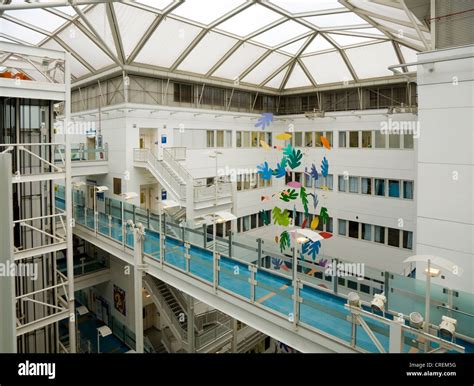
<point x="281" y="218"/>
<point x="290" y="195"/>
<point x="294" y="159"/>
<point x="323" y="215"/>
<point x="304" y="201"/>
<point x="284" y="240"/>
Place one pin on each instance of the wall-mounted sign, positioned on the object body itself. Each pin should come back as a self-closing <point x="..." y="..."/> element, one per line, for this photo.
<point x="163" y="139"/>
<point x="164" y="194"/>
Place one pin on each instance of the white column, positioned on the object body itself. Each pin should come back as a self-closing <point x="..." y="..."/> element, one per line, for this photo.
<point x="138" y="285"/>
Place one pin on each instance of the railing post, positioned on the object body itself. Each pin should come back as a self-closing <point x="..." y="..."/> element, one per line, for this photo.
<point x="187" y="256"/>
<point x="334" y="277"/>
<point x="204" y="232"/>
<point x="216" y="260"/>
<point x="230" y="243"/>
<point x="252" y="281"/>
<point x="296" y="302"/>
<point x="259" y="253"/>
<point x="110" y="226"/>
<point x="386" y="288"/>
<point x="148" y="218"/>
<point x="138" y="285"/>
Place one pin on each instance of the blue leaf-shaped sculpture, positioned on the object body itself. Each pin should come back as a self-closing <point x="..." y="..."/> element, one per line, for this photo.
<point x="276" y="263"/>
<point x="288" y="150"/>
<point x="265" y="171"/>
<point x="324" y="167"/>
<point x="280" y="170"/>
<point x="315" y="199"/>
<point x="311" y="248"/>
<point x="264" y="120"/>
<point x="314" y="172"/>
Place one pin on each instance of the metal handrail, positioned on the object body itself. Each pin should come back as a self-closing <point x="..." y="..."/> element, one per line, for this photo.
<point x="176" y="166"/>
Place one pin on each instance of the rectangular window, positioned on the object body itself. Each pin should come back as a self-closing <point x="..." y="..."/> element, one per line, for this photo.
<point x="407" y="240"/>
<point x="317" y="139"/>
<point x="246" y="181"/>
<point x="239" y="182"/>
<point x="379" y="234"/>
<point x="246" y="223"/>
<point x="354" y="229"/>
<point x="298" y="177"/>
<point x="364" y="288"/>
<point x="246" y="137"/>
<point x="329" y="181"/>
<point x="342" y="224"/>
<point x="268" y="137"/>
<point x="117" y="186"/>
<point x="253" y="221"/>
<point x="308" y="181"/>
<point x="393" y="237"/>
<point x="354" y="139"/>
<point x="380" y="140"/>
<point x="408" y="190"/>
<point x="354" y="184"/>
<point x="228" y="138"/>
<point x="352" y="284"/>
<point x="320" y="226"/>
<point x="367" y="139"/>
<point x="253" y="181"/>
<point x="329" y="225"/>
<point x="394" y="141"/>
<point x="220" y="138"/>
<point x="298" y="139"/>
<point x="367" y="232"/>
<point x="239" y="226"/>
<point x="308" y="139"/>
<point x="342" y="139"/>
<point x="239" y="139"/>
<point x="379" y="187"/>
<point x="366" y="185"/>
<point x="341" y="184"/>
<point x="393" y="188"/>
<point x="254" y="139"/>
<point x="210" y="138"/>
<point x="408" y="141"/>
<point x="329" y="137"/>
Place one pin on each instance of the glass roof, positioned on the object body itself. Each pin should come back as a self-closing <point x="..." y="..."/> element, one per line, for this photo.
<point x="267" y="44"/>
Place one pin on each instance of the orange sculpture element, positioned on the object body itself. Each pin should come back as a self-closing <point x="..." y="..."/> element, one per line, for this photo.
<point x="325" y="142"/>
<point x="11" y="75"/>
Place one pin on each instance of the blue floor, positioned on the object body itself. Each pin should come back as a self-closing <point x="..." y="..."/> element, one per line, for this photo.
<point x="319" y="309"/>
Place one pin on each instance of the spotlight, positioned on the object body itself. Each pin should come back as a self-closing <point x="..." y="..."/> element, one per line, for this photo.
<point x="378" y="303"/>
<point x="447" y="327"/>
<point x="353" y="299"/>
<point x="416" y="320"/>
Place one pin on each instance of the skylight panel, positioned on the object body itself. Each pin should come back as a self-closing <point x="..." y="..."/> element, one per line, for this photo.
<point x="157" y="4"/>
<point x="297" y="78"/>
<point x="389" y="11"/>
<point x="98" y="18"/>
<point x="373" y="60"/>
<point x="168" y="42"/>
<point x="17" y="31"/>
<point x="337" y="20"/>
<point x="318" y="44"/>
<point x="264" y="69"/>
<point x="276" y="81"/>
<point x="299" y="6"/>
<point x="250" y="20"/>
<point x="38" y="18"/>
<point x="327" y="68"/>
<point x="281" y="33"/>
<point x="398" y="29"/>
<point x="240" y="60"/>
<point x="408" y="54"/>
<point x="293" y="48"/>
<point x="208" y="52"/>
<point x="206" y="11"/>
<point x="131" y="33"/>
<point x="77" y="69"/>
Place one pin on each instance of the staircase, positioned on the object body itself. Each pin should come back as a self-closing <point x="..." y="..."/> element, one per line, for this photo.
<point x="170" y="299"/>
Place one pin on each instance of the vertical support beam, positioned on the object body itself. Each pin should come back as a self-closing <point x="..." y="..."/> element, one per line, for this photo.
<point x="138" y="285"/>
<point x="7" y="284"/>
<point x="386" y="288"/>
<point x="230" y="243"/>
<point x="191" y="336"/>
<point x="204" y="232"/>
<point x="259" y="253"/>
<point x="334" y="278"/>
<point x="395" y="338"/>
<point x="233" y="348"/>
<point x="68" y="199"/>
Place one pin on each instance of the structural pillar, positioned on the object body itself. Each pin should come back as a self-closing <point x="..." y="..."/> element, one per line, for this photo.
<point x="138" y="285"/>
<point x="191" y="336"/>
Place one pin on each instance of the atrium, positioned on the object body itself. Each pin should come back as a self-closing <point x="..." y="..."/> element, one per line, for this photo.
<point x="236" y="176"/>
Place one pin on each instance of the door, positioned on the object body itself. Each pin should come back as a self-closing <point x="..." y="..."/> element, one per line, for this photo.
<point x="142" y="142"/>
<point x="91" y="149"/>
<point x="144" y="198"/>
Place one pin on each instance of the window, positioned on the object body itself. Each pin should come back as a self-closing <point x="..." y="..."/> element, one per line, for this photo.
<point x="341" y="184"/>
<point x="367" y="139"/>
<point x="394" y="141"/>
<point x="364" y="288"/>
<point x="239" y="226"/>
<point x="380" y="140"/>
<point x="393" y="237"/>
<point x="183" y="93"/>
<point x="220" y="138"/>
<point x="246" y="138"/>
<point x="253" y="221"/>
<point x="366" y="185"/>
<point x="308" y="139"/>
<point x="353" y="139"/>
<point x="408" y="190"/>
<point x="329" y="227"/>
<point x="297" y="177"/>
<point x="408" y="141"/>
<point x="354" y="229"/>
<point x="228" y="138"/>
<point x="320" y="226"/>
<point x="246" y="223"/>
<point x="354" y="184"/>
<point x="268" y="137"/>
<point x="329" y="181"/>
<point x="117" y="186"/>
<point x="342" y="139"/>
<point x="210" y="138"/>
<point x="239" y="139"/>
<point x="329" y="137"/>
<point x="379" y="234"/>
<point x="254" y="139"/>
<point x="253" y="181"/>
<point x="367" y="232"/>
<point x="352" y="284"/>
<point x="246" y="181"/>
<point x="379" y="187"/>
<point x="298" y="139"/>
<point x="407" y="240"/>
<point x="308" y="181"/>
<point x="317" y="141"/>
<point x="342" y="224"/>
<point x="393" y="188"/>
<point x="239" y="182"/>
